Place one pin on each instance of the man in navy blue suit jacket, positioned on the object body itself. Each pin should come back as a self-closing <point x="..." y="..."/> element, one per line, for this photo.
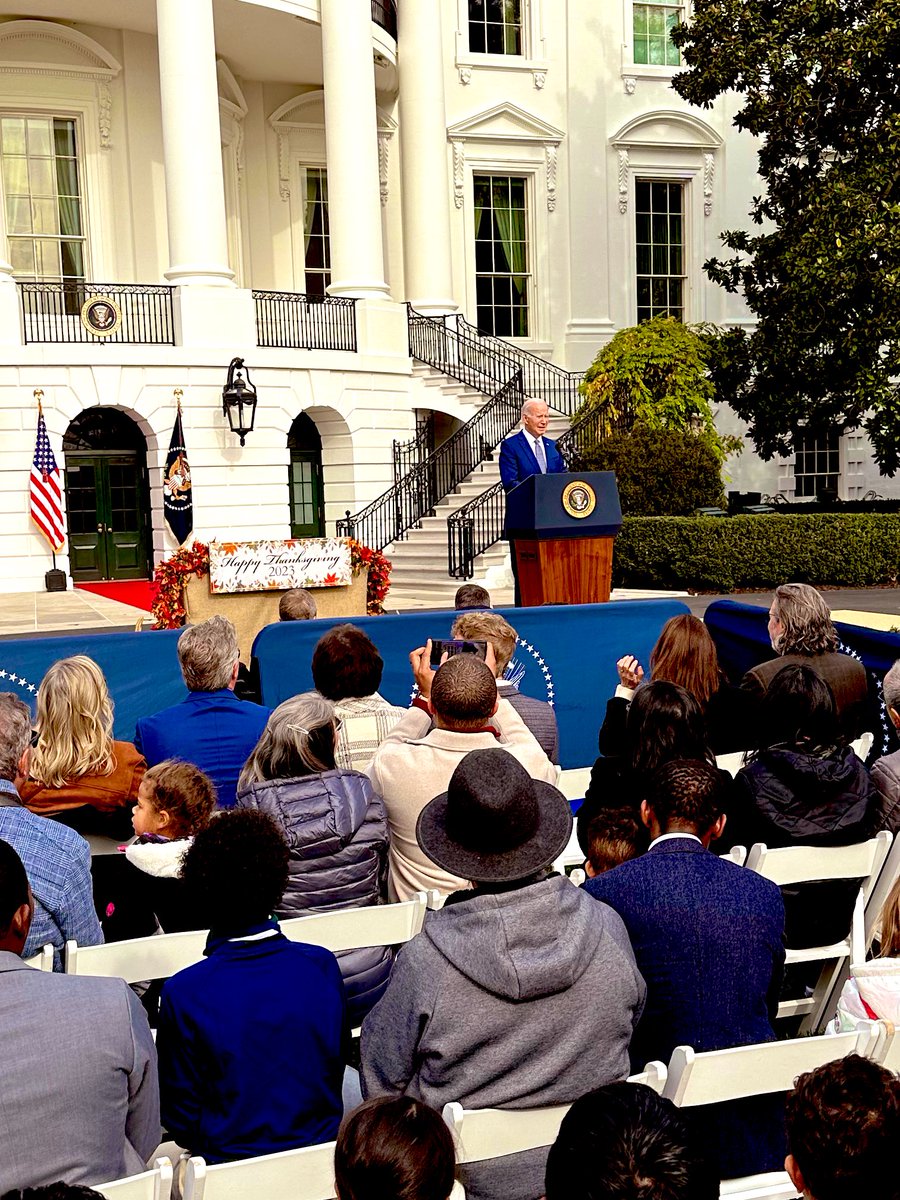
<point x="211" y="728"/>
<point x="707" y="936"/>
<point x="521" y="455"/>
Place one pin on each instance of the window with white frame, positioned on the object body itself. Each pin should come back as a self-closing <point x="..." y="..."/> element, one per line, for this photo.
<point x="316" y="235"/>
<point x="659" y="248"/>
<point x="496" y="26"/>
<point x="652" y="25"/>
<point x="44" y="198"/>
<point x="817" y="462"/>
<point x="502" y="275"/>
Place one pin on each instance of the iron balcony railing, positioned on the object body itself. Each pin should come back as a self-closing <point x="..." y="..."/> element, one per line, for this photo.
<point x="384" y="13"/>
<point x="305" y="322"/>
<point x="473" y="529"/>
<point x="402" y="507"/>
<point x="409" y="454"/>
<point x="140" y="313"/>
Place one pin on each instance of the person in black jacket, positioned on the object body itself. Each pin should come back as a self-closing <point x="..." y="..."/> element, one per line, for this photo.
<point x="805" y="787"/>
<point x="685" y="653"/>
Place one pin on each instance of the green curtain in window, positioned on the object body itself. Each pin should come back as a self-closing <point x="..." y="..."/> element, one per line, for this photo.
<point x="511" y="228"/>
<point x="510" y="26"/>
<point x="309" y="212"/>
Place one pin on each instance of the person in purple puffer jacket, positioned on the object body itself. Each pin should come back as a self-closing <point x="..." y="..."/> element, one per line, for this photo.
<point x="335" y="827"/>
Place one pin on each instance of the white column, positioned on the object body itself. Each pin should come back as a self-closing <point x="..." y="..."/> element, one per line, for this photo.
<point x="426" y="181"/>
<point x="351" y="142"/>
<point x="192" y="144"/>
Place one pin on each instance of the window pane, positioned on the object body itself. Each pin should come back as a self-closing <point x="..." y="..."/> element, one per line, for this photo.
<point x="21" y="256"/>
<point x="64" y="138"/>
<point x="501" y="254"/>
<point x="18" y="214"/>
<point x="15" y="176"/>
<point x="317" y="258"/>
<point x="46" y="216"/>
<point x="495" y="27"/>
<point x="659" y="253"/>
<point x="39" y="137"/>
<point x="40" y="177"/>
<point x="12" y="130"/>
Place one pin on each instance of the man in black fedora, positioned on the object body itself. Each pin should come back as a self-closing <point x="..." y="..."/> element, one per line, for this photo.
<point x="516" y="994"/>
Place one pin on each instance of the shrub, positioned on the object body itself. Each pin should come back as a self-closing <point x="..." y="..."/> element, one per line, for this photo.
<point x="721" y="554"/>
<point x="660" y="471"/>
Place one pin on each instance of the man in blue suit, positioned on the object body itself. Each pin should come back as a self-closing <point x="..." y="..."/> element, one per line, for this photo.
<point x="212" y="728"/>
<point x="528" y="452"/>
<point x="707" y="936"/>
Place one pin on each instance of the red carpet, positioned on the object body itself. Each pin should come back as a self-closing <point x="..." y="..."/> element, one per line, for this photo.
<point x="139" y="593"/>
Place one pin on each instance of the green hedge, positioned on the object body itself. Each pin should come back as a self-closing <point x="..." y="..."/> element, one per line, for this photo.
<point x="724" y="554"/>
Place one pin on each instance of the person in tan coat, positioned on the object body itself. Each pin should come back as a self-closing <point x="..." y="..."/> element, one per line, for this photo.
<point x="78" y="773"/>
<point x="412" y="765"/>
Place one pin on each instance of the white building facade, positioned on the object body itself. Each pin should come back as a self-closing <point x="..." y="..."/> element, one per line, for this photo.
<point x="275" y="180"/>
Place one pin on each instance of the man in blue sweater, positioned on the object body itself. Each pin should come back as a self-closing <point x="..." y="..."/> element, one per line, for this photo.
<point x="251" y="1042"/>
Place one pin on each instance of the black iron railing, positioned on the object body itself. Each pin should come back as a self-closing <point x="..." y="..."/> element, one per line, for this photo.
<point x="384" y="13"/>
<point x="541" y="380"/>
<point x="409" y="454"/>
<point x="473" y="529"/>
<point x="585" y="434"/>
<point x="402" y="507"/>
<point x="305" y="322"/>
<point x="140" y="313"/>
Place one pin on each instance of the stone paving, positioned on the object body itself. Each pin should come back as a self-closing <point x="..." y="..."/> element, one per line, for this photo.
<point x="55" y="612"/>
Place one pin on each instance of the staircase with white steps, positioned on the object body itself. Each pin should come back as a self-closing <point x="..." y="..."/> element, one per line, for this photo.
<point x="419" y="577"/>
<point x="456" y="397"/>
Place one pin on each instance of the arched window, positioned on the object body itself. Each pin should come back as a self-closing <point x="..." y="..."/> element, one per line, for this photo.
<point x="305" y="479"/>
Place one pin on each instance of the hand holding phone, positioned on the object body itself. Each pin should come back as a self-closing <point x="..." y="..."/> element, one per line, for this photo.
<point x="453" y="646"/>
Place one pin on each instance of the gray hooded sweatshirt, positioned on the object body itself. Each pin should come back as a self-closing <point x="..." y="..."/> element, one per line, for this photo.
<point x="517" y="999"/>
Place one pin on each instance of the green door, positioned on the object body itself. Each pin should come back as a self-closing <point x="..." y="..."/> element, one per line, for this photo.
<point x="307" y="507"/>
<point x="105" y="498"/>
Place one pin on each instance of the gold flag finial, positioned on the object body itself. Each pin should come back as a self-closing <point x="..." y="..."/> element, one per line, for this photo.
<point x="178" y="393"/>
<point x="39" y="395"/>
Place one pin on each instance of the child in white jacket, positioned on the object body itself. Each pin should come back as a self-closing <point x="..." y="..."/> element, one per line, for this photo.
<point x="873" y="989"/>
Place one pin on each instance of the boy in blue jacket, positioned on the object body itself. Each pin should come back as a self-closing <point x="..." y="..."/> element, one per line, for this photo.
<point x="251" y="1041"/>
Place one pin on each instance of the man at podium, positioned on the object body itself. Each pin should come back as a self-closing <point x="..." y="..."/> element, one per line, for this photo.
<point x="528" y="452"/>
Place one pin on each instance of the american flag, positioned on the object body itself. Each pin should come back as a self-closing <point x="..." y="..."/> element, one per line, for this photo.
<point x="45" y="492"/>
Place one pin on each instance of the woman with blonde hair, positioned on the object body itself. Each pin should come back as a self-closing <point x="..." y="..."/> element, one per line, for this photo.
<point x="334" y="825"/>
<point x="684" y="654"/>
<point x="79" y="773"/>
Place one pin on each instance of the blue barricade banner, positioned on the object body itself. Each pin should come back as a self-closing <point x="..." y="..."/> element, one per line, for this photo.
<point x="141" y="669"/>
<point x="741" y="634"/>
<point x="566" y="654"/>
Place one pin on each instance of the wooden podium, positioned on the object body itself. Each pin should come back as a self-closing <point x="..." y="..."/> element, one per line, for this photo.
<point x="561" y="530"/>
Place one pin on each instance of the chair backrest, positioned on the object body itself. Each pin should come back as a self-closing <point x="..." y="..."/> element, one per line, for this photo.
<point x="731" y="763"/>
<point x="654" y="1075"/>
<point x="732" y="1074"/>
<point x="43" y="960"/>
<point x="306" y="1174"/>
<point x="165" y="955"/>
<point x="805" y="864"/>
<point x="773" y="1185"/>
<point x="877" y="896"/>
<point x="737" y="855"/>
<point x="149" y="1185"/>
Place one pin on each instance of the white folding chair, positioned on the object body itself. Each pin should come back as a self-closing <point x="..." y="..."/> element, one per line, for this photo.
<point x="731" y="763"/>
<point x="654" y="1075"/>
<point x="806" y="864"/>
<point x="879" y="892"/>
<point x="772" y="1185"/>
<point x="149" y="1185"/>
<point x="887" y="1052"/>
<point x="863" y="745"/>
<point x="737" y="855"/>
<point x="358" y="928"/>
<point x="306" y="1174"/>
<point x="43" y="960"/>
<point x="138" y="958"/>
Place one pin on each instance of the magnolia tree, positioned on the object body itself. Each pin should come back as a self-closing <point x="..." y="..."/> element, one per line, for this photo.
<point x="821" y="90"/>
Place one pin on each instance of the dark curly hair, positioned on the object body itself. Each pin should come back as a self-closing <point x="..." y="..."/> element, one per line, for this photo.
<point x="624" y="1142"/>
<point x="688" y="792"/>
<point x="54" y="1191"/>
<point x="236" y="870"/>
<point x="843" y="1128"/>
<point x="394" y="1148"/>
<point x="346" y="664"/>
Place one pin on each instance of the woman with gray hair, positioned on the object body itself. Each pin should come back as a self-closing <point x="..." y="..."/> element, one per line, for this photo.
<point x="802" y="633"/>
<point x="334" y="825"/>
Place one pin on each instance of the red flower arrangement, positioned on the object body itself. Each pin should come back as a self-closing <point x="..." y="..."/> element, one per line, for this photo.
<point x="173" y="574"/>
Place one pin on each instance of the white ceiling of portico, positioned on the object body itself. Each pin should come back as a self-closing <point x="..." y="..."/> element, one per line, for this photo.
<point x="257" y="42"/>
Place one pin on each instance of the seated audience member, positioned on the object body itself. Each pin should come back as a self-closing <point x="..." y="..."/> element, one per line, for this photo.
<point x="624" y="1142"/>
<point x="394" y="1148"/>
<point x="886" y="770"/>
<point x="56" y="858"/>
<point x="801" y="632"/>
<point x="805" y="788"/>
<point x="707" y="936"/>
<point x="517" y="994"/>
<point x="538" y="715"/>
<point x="78" y="774"/>
<point x="664" y="723"/>
<point x="610" y="838"/>
<point x="347" y="670"/>
<point x="55" y="1191"/>
<point x="250" y="1040"/>
<point x="210" y="728"/>
<point x="415" y="761"/>
<point x="471" y="595"/>
<point x="684" y="654"/>
<point x="334" y="825"/>
<point x="843" y="1126"/>
<point x="873" y="989"/>
<point x="144" y="889"/>
<point x="78" y="1083"/>
<point x="297" y="604"/>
